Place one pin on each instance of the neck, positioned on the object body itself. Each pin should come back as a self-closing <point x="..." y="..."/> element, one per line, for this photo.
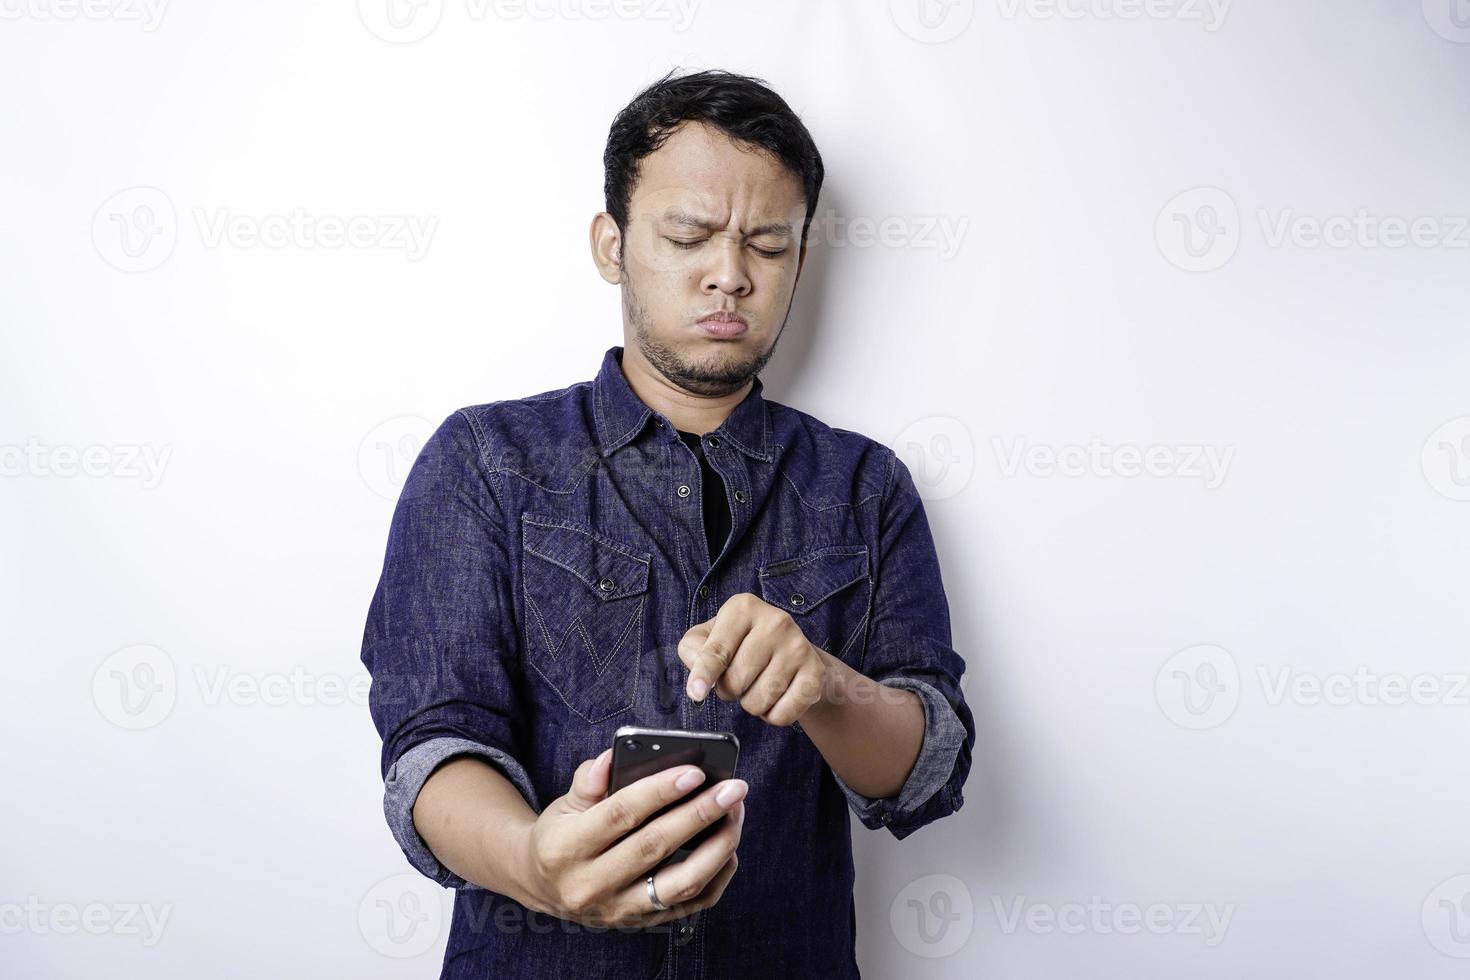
<point x="689" y="412"/>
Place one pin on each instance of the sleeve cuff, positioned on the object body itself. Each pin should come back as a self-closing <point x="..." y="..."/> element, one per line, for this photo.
<point x="406" y="778"/>
<point x="943" y="736"/>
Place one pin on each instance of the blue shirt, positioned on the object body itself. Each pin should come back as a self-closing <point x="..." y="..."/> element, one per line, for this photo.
<point x="545" y="557"/>
<point x="712" y="486"/>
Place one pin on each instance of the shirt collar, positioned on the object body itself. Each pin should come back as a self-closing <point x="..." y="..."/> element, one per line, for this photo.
<point x="620" y="414"/>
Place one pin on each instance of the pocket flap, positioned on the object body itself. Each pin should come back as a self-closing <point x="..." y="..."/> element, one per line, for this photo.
<point x="799" y="585"/>
<point x="609" y="569"/>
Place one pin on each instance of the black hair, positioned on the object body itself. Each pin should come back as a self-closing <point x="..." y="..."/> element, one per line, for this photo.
<point x="743" y="107"/>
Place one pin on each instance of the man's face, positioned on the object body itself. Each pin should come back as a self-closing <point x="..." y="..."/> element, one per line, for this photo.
<point x="712" y="228"/>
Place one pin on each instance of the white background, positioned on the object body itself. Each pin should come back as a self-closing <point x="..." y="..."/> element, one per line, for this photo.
<point x="1086" y="307"/>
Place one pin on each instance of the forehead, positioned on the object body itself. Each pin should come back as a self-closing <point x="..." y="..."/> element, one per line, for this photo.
<point x="700" y="169"/>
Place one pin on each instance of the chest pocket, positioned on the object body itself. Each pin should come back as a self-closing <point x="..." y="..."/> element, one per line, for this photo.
<point x="585" y="597"/>
<point x="826" y="592"/>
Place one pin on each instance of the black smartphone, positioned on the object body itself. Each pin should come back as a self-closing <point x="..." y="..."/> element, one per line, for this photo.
<point x="639" y="752"/>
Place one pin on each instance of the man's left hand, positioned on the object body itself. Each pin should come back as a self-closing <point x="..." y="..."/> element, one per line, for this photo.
<point x="754" y="652"/>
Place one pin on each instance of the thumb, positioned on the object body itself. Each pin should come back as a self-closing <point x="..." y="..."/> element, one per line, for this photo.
<point x="693" y="641"/>
<point x="589" y="782"/>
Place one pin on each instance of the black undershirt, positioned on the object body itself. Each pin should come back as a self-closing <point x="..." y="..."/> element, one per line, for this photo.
<point x="716" y="507"/>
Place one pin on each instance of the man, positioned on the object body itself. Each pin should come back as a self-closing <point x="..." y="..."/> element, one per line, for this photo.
<point x="612" y="552"/>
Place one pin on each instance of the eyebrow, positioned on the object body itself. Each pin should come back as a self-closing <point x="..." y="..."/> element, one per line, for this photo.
<point x="682" y="217"/>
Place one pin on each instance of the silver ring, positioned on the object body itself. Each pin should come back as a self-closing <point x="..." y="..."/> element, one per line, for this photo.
<point x="653" y="896"/>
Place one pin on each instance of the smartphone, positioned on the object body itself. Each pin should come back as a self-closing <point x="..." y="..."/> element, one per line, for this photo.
<point x="639" y="752"/>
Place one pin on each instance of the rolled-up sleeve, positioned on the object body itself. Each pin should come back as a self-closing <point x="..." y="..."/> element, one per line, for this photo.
<point x="909" y="647"/>
<point x="440" y="639"/>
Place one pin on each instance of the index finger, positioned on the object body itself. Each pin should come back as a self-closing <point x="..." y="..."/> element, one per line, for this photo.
<point x="626" y="810"/>
<point x="710" y="659"/>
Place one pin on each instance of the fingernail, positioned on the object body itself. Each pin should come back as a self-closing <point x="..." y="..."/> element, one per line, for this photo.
<point x="730" y="792"/>
<point x="689" y="780"/>
<point x="698" y="689"/>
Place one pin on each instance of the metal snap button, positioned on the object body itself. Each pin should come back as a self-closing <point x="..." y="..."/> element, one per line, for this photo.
<point x="704" y="591"/>
<point x="740" y="496"/>
<point x="683" y="490"/>
<point x="714" y="442"/>
<point x="607" y="585"/>
<point x="686" y="933"/>
<point x="797" y="599"/>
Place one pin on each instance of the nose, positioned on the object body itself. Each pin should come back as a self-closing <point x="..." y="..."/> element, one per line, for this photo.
<point x="727" y="272"/>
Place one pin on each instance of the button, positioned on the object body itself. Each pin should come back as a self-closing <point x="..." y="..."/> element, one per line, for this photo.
<point x="797" y="599"/>
<point x="714" y="442"/>
<point x="686" y="933"/>
<point x="886" y="818"/>
<point x="683" y="490"/>
<point x="704" y="591"/>
<point x="740" y="496"/>
<point x="607" y="585"/>
<point x="658" y="422"/>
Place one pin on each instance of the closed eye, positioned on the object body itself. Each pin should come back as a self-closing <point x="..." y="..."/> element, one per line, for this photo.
<point x="680" y="243"/>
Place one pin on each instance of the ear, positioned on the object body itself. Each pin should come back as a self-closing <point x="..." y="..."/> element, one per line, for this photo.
<point x="607" y="247"/>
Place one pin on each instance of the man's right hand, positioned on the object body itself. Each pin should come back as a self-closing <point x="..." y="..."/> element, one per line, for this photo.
<point x="576" y="867"/>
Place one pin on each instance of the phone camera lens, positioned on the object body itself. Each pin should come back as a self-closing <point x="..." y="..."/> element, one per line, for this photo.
<point x="632" y="744"/>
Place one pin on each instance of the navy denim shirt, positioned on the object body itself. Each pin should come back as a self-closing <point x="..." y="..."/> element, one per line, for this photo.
<point x="547" y="554"/>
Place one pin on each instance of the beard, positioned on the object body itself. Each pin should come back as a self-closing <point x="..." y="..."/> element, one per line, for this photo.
<point x="726" y="371"/>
